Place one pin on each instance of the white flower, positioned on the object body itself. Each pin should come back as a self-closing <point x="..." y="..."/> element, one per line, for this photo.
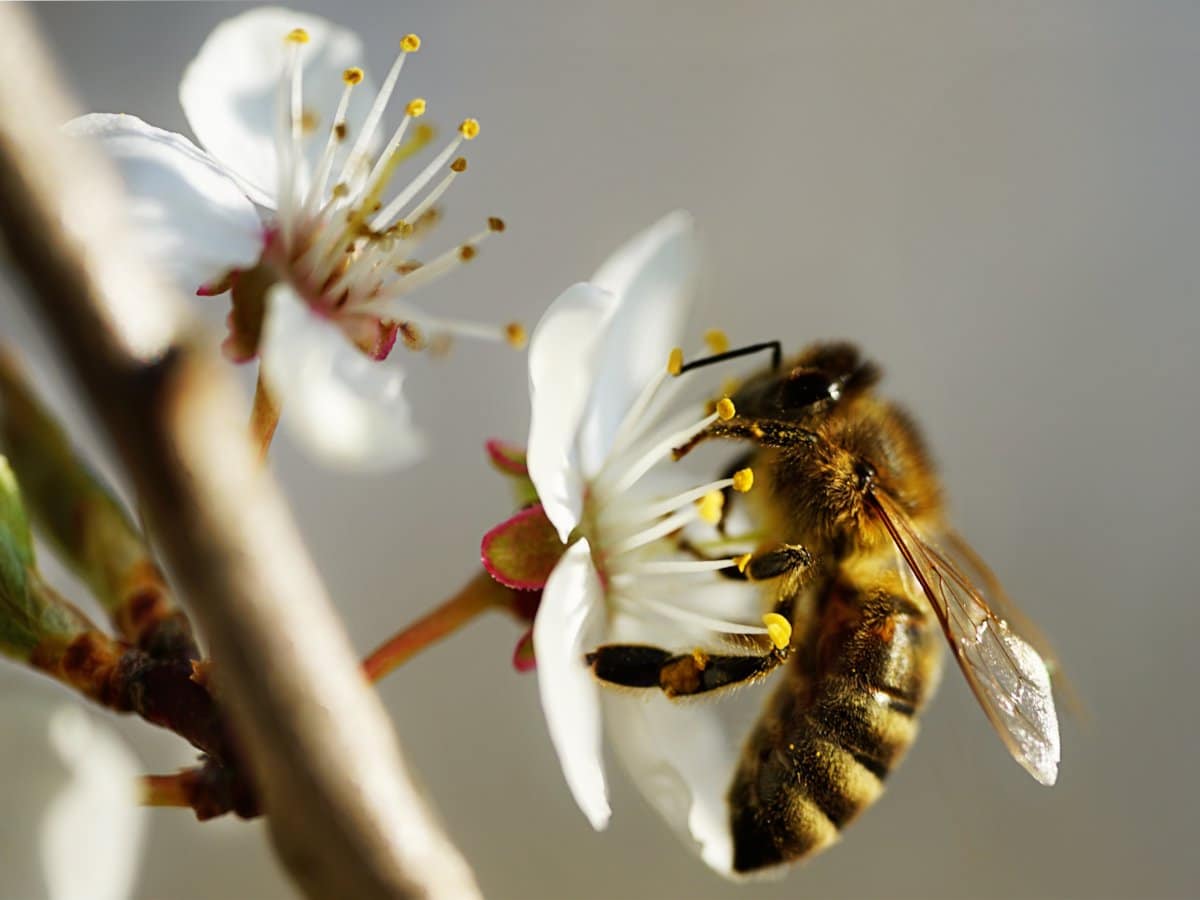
<point x="292" y="204"/>
<point x="71" y="828"/>
<point x="599" y="383"/>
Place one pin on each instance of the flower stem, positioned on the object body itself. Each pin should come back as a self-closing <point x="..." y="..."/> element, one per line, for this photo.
<point x="166" y="790"/>
<point x="479" y="594"/>
<point x="209" y="790"/>
<point x="264" y="416"/>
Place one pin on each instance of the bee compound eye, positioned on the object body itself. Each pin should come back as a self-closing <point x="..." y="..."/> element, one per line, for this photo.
<point x="865" y="472"/>
<point x="804" y="387"/>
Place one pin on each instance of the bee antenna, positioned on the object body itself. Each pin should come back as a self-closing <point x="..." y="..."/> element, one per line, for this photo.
<point x="775" y="347"/>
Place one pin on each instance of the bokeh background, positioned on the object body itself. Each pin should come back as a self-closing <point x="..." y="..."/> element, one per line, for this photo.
<point x="998" y="201"/>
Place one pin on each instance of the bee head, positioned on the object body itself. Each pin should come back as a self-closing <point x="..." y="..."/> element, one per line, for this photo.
<point x="808" y="385"/>
<point x="873" y="447"/>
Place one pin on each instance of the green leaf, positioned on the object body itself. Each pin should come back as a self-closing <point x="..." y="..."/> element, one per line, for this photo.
<point x="18" y="609"/>
<point x="31" y="613"/>
<point x="70" y="504"/>
<point x="16" y="552"/>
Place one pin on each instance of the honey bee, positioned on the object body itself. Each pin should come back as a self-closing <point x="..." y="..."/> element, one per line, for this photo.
<point x="865" y="569"/>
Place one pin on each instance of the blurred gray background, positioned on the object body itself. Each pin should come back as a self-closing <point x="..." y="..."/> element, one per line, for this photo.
<point x="998" y="201"/>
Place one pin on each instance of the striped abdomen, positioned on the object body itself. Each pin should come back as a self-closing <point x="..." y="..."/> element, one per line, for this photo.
<point x="831" y="733"/>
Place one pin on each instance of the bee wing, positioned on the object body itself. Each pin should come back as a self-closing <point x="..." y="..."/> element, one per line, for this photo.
<point x="1009" y="678"/>
<point x="980" y="573"/>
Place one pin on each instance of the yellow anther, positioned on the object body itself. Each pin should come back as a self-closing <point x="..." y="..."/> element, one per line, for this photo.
<point x="415" y="108"/>
<point x="716" y="340"/>
<point x="710" y="506"/>
<point x="741" y="561"/>
<point x="743" y="480"/>
<point x="675" y="361"/>
<point x="410" y="43"/>
<point x="297" y="36"/>
<point x="779" y="630"/>
<point x="466" y="252"/>
<point x="469" y="129"/>
<point x="353" y="75"/>
<point x="725" y="409"/>
<point x="459" y="165"/>
<point x="514" y="333"/>
<point x="496" y="224"/>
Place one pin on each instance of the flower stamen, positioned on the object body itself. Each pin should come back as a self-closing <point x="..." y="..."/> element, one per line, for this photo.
<point x="403" y="283"/>
<point x="456" y="168"/>
<point x="779" y="630"/>
<point x="393" y="209"/>
<point x="710" y="507"/>
<point x="337" y="133"/>
<point x="662" y="448"/>
<point x="410" y="43"/>
<point x="289" y="129"/>
<point x="690" y="617"/>
<point x="717" y="341"/>
<point x="662" y="528"/>
<point x="652" y="511"/>
<point x="673" y="567"/>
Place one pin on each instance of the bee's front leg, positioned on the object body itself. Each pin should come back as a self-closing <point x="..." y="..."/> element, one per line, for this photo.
<point x="763" y="432"/>
<point x="777" y="561"/>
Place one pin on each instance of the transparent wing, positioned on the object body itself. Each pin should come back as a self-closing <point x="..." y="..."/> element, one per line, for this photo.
<point x="979" y="573"/>
<point x="1008" y="677"/>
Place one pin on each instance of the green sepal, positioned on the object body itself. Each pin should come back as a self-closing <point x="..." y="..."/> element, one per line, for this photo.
<point x="521" y="552"/>
<point x="510" y="460"/>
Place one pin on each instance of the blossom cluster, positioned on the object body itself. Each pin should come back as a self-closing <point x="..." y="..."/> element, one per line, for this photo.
<point x="290" y="204"/>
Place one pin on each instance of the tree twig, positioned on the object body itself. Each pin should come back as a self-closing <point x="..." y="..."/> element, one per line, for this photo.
<point x="344" y="814"/>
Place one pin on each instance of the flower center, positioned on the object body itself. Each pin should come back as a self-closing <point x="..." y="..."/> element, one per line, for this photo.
<point x="639" y="537"/>
<point x="346" y="247"/>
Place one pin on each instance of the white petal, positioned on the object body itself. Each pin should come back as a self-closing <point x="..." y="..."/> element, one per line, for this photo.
<point x="72" y="825"/>
<point x="187" y="213"/>
<point x="348" y="409"/>
<point x="652" y="276"/>
<point x="229" y="92"/>
<point x="563" y="632"/>
<point x="682" y="759"/>
<point x="562" y="354"/>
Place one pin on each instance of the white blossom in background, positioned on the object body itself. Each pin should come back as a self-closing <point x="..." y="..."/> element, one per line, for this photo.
<point x="294" y="205"/>
<point x="72" y="827"/>
<point x="600" y="387"/>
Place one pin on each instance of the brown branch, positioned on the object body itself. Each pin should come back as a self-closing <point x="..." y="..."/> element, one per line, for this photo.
<point x="345" y="816"/>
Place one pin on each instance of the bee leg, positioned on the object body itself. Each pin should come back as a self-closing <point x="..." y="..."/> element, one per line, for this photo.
<point x="779" y="561"/>
<point x="700" y="672"/>
<point x="761" y="432"/>
<point x="679" y="674"/>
